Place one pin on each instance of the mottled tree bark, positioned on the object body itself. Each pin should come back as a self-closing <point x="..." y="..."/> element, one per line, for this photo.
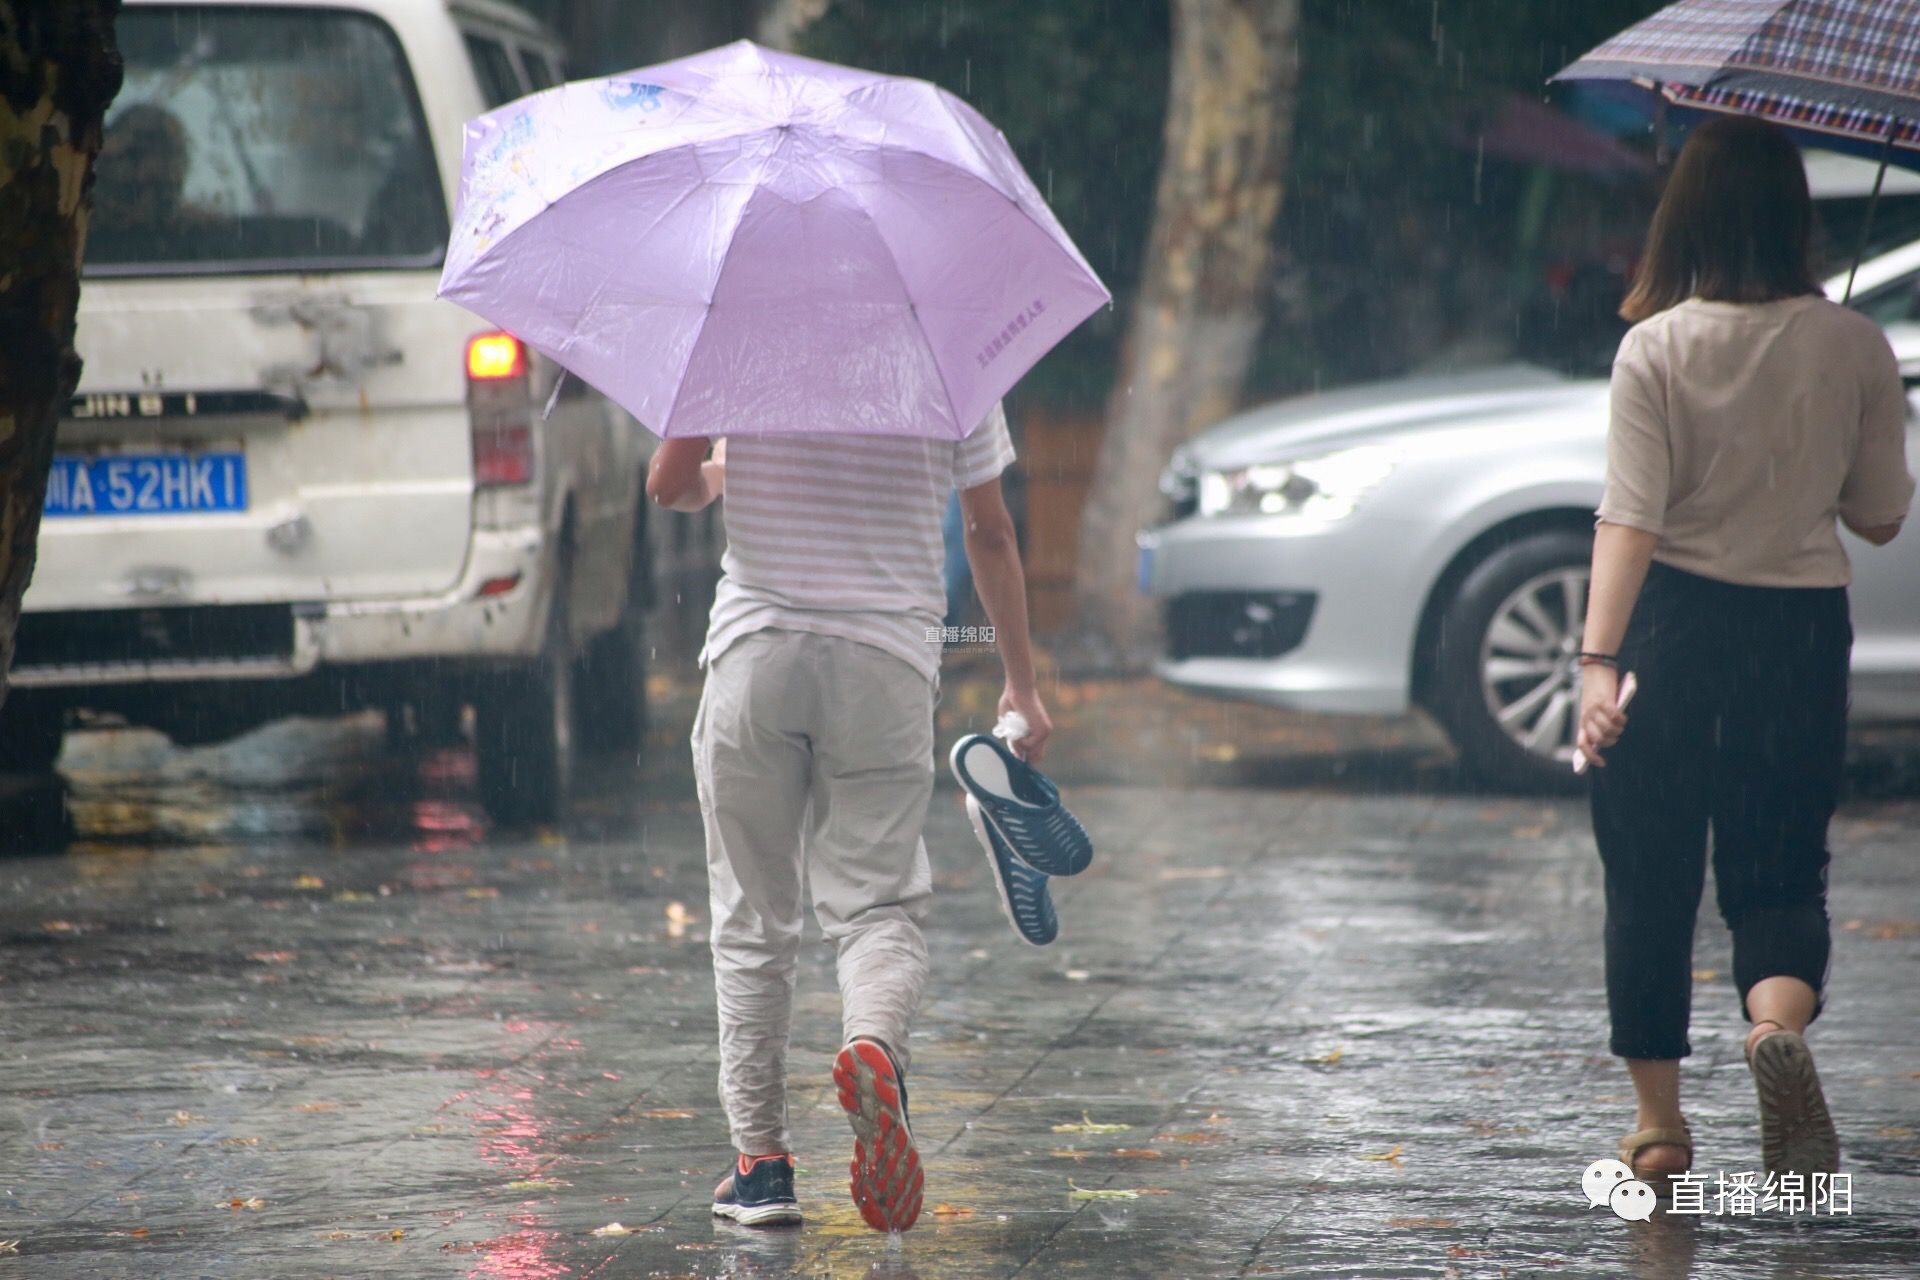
<point x="59" y="68"/>
<point x="1203" y="294"/>
<point x="782" y="22"/>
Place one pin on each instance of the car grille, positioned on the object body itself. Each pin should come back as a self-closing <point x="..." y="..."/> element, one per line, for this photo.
<point x="1237" y="624"/>
<point x="152" y="641"/>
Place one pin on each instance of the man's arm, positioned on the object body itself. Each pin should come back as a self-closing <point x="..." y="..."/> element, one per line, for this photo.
<point x="682" y="478"/>
<point x="994" y="554"/>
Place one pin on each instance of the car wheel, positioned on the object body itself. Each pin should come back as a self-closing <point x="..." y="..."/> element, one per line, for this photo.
<point x="523" y="733"/>
<point x="1508" y="675"/>
<point x="613" y="676"/>
<point x="31" y="731"/>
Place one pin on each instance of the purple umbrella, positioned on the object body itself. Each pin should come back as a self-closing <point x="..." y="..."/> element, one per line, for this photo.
<point x="745" y="241"/>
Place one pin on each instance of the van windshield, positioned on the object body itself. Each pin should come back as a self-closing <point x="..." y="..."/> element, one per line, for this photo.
<point x="261" y="140"/>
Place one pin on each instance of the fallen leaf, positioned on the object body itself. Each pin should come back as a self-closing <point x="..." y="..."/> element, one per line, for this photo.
<point x="1220" y="753"/>
<point x="668" y="1113"/>
<point x="272" y="957"/>
<point x="1705" y="975"/>
<point x="1896" y="1131"/>
<point x="1077" y="975"/>
<point x="1084" y="1193"/>
<point x="1216" y="1118"/>
<point x="1196" y="1137"/>
<point x="239" y="1142"/>
<point x="1421" y="1222"/>
<point x="352" y="895"/>
<point x="1068" y="1154"/>
<point x="140" y="1233"/>
<point x="398" y="1233"/>
<point x="1137" y="1153"/>
<point x="60" y="926"/>
<point x="339" y="1235"/>
<point x="251" y="1202"/>
<point x="9" y="1246"/>
<point x="1529" y="833"/>
<point x="1328" y="1059"/>
<point x="309" y="882"/>
<point x="49" y="1146"/>
<point x="313" y="1107"/>
<point x="483" y="891"/>
<point x="613" y="1229"/>
<point x="951" y="1211"/>
<point x="1387" y="1157"/>
<point x="1087" y="1125"/>
<point x="184" y="1118"/>
<point x="534" y="1184"/>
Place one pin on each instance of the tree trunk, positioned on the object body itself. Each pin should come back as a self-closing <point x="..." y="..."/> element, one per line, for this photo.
<point x="782" y="22"/>
<point x="59" y="68"/>
<point x="1202" y="296"/>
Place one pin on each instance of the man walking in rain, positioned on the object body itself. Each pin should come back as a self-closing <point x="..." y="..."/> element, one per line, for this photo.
<point x="813" y="751"/>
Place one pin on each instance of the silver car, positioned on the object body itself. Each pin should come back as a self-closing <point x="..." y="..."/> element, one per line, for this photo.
<point x="1425" y="543"/>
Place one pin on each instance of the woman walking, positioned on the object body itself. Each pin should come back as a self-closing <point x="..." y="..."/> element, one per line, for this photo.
<point x="1749" y="415"/>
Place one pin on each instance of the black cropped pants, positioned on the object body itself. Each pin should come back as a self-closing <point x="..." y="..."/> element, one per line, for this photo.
<point x="1739" y="729"/>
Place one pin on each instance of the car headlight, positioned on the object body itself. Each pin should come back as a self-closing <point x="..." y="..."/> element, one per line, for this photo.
<point x="1324" y="488"/>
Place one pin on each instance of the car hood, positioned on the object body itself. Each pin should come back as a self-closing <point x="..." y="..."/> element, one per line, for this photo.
<point x="1357" y="415"/>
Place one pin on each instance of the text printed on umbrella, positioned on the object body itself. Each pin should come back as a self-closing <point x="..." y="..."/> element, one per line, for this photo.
<point x="1006" y="335"/>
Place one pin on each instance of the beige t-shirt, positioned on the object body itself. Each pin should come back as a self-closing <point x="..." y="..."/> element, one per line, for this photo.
<point x="1740" y="431"/>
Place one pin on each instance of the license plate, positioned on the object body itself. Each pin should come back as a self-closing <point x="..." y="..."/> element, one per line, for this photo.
<point x="139" y="484"/>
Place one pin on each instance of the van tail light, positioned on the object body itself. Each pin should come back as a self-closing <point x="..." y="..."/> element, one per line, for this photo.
<point x="500" y="405"/>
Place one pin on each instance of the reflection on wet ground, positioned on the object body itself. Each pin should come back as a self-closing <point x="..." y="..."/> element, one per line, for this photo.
<point x="289" y="1008"/>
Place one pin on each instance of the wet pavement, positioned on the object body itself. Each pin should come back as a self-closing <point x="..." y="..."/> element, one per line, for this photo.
<point x="287" y="1008"/>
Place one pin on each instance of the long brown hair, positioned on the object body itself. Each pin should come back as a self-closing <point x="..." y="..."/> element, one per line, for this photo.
<point x="1734" y="225"/>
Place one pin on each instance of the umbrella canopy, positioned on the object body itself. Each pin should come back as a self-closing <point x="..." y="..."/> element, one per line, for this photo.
<point x="1841" y="73"/>
<point x="746" y="241"/>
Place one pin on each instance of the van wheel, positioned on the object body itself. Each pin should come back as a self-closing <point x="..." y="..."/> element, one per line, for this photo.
<point x="31" y="731"/>
<point x="1508" y="676"/>
<point x="523" y="733"/>
<point x="613" y="676"/>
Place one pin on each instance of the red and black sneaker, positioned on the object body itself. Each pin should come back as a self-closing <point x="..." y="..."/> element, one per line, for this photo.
<point x="758" y="1193"/>
<point x="887" y="1180"/>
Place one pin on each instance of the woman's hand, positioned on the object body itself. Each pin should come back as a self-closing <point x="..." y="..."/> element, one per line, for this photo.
<point x="1601" y="719"/>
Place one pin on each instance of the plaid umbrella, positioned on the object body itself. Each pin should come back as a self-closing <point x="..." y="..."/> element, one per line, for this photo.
<point x="1842" y="74"/>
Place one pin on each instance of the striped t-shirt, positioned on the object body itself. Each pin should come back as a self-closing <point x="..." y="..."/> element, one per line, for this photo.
<point x="840" y="535"/>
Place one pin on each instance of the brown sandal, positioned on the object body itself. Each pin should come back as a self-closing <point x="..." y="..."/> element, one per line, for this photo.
<point x="1634" y="1143"/>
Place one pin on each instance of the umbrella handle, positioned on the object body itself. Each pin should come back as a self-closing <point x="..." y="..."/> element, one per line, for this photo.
<point x="1873" y="203"/>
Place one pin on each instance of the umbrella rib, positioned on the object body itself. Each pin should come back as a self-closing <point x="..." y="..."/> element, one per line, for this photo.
<point x="906" y="291"/>
<point x="706" y="314"/>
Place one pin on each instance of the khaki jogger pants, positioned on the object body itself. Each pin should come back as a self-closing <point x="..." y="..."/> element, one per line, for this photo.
<point x="814" y="759"/>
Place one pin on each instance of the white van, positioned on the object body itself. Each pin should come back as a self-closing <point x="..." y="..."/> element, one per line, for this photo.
<point x="293" y="480"/>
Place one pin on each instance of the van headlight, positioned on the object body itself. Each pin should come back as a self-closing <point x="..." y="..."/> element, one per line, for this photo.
<point x="1325" y="488"/>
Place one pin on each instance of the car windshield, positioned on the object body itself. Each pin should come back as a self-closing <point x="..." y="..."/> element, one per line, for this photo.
<point x="263" y="139"/>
